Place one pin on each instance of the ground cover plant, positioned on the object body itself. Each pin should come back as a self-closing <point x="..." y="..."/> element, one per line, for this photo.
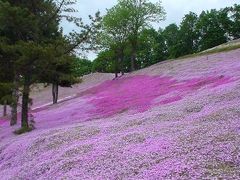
<point x="173" y="120"/>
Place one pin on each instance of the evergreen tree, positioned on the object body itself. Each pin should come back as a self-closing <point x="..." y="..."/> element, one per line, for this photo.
<point x="32" y="31"/>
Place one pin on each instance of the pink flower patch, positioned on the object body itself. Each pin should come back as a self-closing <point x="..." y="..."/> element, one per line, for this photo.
<point x="137" y="93"/>
<point x="2" y="121"/>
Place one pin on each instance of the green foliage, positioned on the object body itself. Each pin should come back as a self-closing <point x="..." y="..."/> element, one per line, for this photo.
<point x="211" y="29"/>
<point x="115" y="27"/>
<point x="33" y="47"/>
<point x="152" y="48"/>
<point x="234" y="17"/>
<point x="171" y="35"/>
<point x="188" y="35"/>
<point x="104" y="63"/>
<point x="32" y="31"/>
<point x="140" y="41"/>
<point x="114" y="39"/>
<point x="81" y="67"/>
<point x="121" y="28"/>
<point x="142" y="13"/>
<point x="5" y="93"/>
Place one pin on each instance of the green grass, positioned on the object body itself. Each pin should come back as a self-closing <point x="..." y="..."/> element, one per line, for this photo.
<point x="212" y="51"/>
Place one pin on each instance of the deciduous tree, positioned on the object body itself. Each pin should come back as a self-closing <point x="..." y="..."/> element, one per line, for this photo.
<point x="211" y="30"/>
<point x="141" y="13"/>
<point x="188" y="36"/>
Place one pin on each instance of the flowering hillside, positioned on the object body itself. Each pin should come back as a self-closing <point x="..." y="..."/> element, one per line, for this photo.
<point x="174" y="120"/>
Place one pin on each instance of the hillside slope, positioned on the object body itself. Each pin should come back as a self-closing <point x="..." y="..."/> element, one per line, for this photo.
<point x="174" y="120"/>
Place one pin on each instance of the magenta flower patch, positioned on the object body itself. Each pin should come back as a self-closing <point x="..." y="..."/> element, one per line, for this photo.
<point x="2" y="121"/>
<point x="133" y="94"/>
<point x="137" y="93"/>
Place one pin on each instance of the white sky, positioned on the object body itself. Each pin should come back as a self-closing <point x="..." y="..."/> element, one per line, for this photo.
<point x="175" y="10"/>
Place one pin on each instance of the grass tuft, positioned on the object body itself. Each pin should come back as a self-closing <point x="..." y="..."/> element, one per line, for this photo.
<point x="24" y="130"/>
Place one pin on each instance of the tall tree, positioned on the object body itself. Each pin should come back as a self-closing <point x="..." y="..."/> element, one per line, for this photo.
<point x="152" y="48"/>
<point x="188" y="35"/>
<point x="20" y="26"/>
<point x="211" y="30"/>
<point x="115" y="33"/>
<point x="141" y="14"/>
<point x="5" y="96"/>
<point x="8" y="55"/>
<point x="234" y="17"/>
<point x="32" y="31"/>
<point x="171" y="35"/>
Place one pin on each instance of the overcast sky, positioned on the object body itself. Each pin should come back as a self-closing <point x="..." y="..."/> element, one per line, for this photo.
<point x="175" y="9"/>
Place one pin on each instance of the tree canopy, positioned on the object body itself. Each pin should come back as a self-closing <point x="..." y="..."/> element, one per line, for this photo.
<point x="145" y="46"/>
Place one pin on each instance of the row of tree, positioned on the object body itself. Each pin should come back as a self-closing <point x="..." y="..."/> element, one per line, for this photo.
<point x="33" y="49"/>
<point x="130" y="43"/>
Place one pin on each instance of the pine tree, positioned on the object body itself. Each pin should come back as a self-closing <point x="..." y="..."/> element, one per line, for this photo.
<point x="31" y="30"/>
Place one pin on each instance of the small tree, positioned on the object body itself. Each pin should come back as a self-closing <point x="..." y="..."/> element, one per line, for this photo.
<point x="59" y="73"/>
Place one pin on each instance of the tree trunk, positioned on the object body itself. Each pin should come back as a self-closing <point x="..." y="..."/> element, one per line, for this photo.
<point x="55" y="92"/>
<point x="133" y="55"/>
<point x="119" y="63"/>
<point x="5" y="108"/>
<point x="121" y="59"/>
<point x="122" y="62"/>
<point x="25" y="101"/>
<point x="15" y="96"/>
<point x="116" y="74"/>
<point x="116" y="65"/>
<point x="116" y="69"/>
